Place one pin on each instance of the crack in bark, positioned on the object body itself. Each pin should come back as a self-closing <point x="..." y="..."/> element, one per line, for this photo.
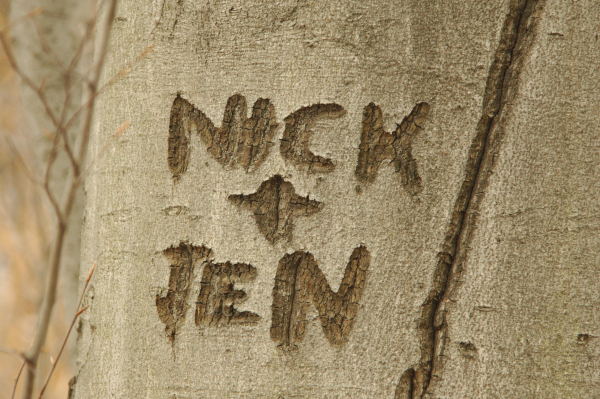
<point x="501" y="88"/>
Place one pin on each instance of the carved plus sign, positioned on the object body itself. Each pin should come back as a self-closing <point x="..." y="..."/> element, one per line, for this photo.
<point x="274" y="205"/>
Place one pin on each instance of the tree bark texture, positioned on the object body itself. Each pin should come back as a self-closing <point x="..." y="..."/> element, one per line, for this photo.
<point x="346" y="199"/>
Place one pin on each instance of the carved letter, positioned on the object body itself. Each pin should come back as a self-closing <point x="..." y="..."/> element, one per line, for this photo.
<point x="239" y="141"/>
<point x="294" y="144"/>
<point x="182" y="115"/>
<point x="376" y="145"/>
<point x="299" y="281"/>
<point x="217" y="295"/>
<point x="172" y="308"/>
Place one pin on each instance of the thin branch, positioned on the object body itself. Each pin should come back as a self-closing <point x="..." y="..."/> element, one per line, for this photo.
<point x="79" y="312"/>
<point x="51" y="197"/>
<point x="69" y="72"/>
<point x="21" y="161"/>
<point x="13" y="352"/>
<point x="123" y="72"/>
<point x="37" y="89"/>
<point x="30" y="15"/>
<point x="86" y="38"/>
<point x="118" y="133"/>
<point x="17" y="380"/>
<point x="61" y="130"/>
<point x="89" y="30"/>
<point x="96" y="73"/>
<point x="46" y="47"/>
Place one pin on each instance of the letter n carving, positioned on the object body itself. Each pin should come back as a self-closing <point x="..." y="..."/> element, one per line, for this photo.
<point x="299" y="282"/>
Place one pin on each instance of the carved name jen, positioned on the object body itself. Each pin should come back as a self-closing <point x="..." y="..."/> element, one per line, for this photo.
<point x="299" y="283"/>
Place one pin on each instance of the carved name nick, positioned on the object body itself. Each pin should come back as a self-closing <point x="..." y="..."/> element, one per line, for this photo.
<point x="299" y="284"/>
<point x="246" y="141"/>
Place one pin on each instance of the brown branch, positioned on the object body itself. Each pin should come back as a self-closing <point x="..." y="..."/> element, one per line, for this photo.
<point x="39" y="90"/>
<point x="17" y="379"/>
<point x="13" y="352"/>
<point x="79" y="311"/>
<point x="62" y="130"/>
<point x="123" y="72"/>
<point x="21" y="161"/>
<point x="46" y="47"/>
<point x="68" y="73"/>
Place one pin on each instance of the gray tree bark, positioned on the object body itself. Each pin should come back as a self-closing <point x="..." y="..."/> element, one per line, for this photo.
<point x="409" y="210"/>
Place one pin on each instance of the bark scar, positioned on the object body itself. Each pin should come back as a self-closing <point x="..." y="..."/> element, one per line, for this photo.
<point x="299" y="282"/>
<point x="377" y="145"/>
<point x="274" y="206"/>
<point x="173" y="307"/>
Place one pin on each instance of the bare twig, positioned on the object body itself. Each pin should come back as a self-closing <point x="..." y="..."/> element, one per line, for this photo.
<point x="69" y="74"/>
<point x="123" y="72"/>
<point x="79" y="311"/>
<point x="21" y="160"/>
<point x="62" y="122"/>
<point x="46" y="47"/>
<point x="31" y="14"/>
<point x="51" y="159"/>
<point x="17" y="379"/>
<point x="118" y="133"/>
<point x="39" y="90"/>
<point x="13" y="352"/>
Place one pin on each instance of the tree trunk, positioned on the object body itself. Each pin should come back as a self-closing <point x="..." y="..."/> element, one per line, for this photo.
<point x="409" y="210"/>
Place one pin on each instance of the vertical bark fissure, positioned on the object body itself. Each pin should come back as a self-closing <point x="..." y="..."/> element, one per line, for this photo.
<point x="501" y="87"/>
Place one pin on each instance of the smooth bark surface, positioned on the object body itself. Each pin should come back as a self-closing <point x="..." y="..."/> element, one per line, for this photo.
<point x="318" y="261"/>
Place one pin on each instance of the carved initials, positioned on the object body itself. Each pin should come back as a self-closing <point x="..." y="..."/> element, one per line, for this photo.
<point x="245" y="142"/>
<point x="173" y="307"/>
<point x="217" y="295"/>
<point x="299" y="281"/>
<point x="376" y="145"/>
<point x="240" y="141"/>
<point x="295" y="142"/>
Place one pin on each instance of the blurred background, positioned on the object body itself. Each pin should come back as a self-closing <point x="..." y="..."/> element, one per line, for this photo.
<point x="26" y="232"/>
